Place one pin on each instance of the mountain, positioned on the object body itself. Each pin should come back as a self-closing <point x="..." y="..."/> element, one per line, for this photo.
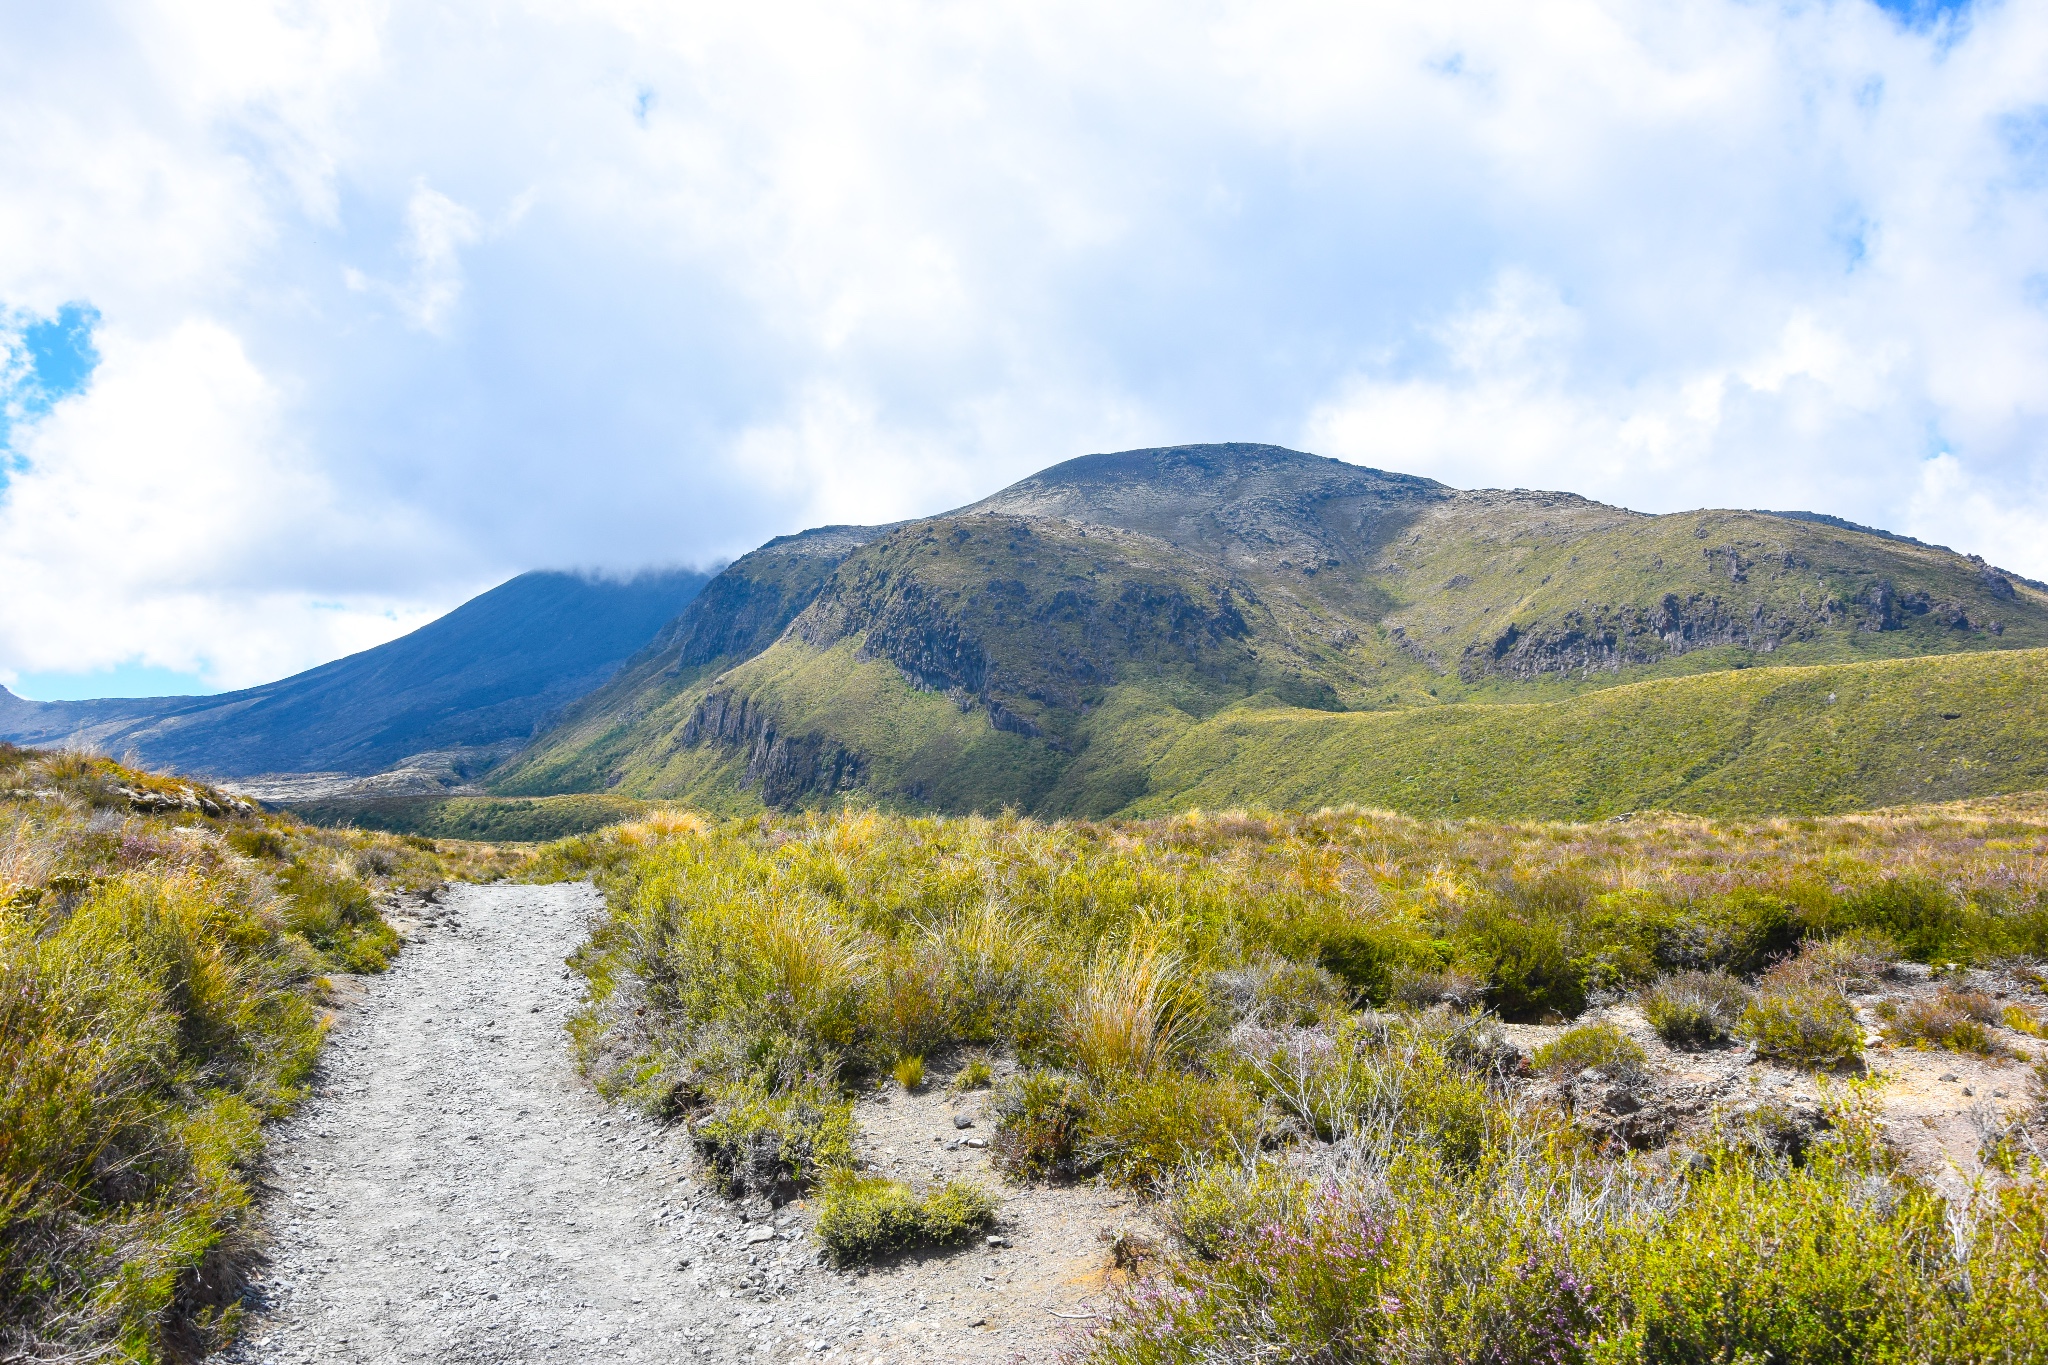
<point x="438" y="705"/>
<point x="1055" y="646"/>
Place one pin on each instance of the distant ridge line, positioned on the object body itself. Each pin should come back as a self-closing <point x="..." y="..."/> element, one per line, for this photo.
<point x="1844" y="524"/>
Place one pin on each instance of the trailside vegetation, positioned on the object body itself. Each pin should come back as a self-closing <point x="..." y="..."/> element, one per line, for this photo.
<point x="162" y="949"/>
<point x="1282" y="1029"/>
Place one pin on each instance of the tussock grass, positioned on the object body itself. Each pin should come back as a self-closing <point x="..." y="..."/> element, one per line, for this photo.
<point x="1267" y="1021"/>
<point x="161" y="948"/>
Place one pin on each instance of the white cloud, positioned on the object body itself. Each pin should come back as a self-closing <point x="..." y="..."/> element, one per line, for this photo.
<point x="530" y="281"/>
<point x="165" y="517"/>
<point x="436" y="230"/>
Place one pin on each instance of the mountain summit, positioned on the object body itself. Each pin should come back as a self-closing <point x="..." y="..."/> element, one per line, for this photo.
<point x="1045" y="647"/>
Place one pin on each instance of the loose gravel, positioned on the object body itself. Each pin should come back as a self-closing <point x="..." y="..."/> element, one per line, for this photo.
<point x="455" y="1192"/>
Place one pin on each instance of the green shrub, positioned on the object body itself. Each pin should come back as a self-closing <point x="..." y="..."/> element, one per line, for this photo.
<point x="1810" y="1023"/>
<point x="909" y="1072"/>
<point x="864" y="1216"/>
<point x="976" y="1074"/>
<point x="1954" y="1020"/>
<point x="1533" y="976"/>
<point x="1142" y="1130"/>
<point x="1041" y="1117"/>
<point x="775" y="1144"/>
<point x="1588" y="1046"/>
<point x="1694" y="1007"/>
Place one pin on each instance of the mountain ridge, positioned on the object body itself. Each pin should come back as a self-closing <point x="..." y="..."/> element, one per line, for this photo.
<point x="1042" y="646"/>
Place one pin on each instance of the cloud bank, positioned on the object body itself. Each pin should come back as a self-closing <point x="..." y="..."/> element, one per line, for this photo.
<point x="389" y="302"/>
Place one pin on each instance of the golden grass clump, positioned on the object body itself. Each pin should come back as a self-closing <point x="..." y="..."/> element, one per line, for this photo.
<point x="159" y="945"/>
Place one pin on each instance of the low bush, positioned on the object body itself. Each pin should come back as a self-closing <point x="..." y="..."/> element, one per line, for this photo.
<point x="864" y="1216"/>
<point x="1588" y="1046"/>
<point x="909" y="1072"/>
<point x="1953" y="1020"/>
<point x="1041" y="1118"/>
<point x="974" y="1074"/>
<point x="1423" y="987"/>
<point x="1693" y="1008"/>
<point x="2021" y="1019"/>
<point x="1810" y="1024"/>
<point x="1144" y="1129"/>
<point x="775" y="1144"/>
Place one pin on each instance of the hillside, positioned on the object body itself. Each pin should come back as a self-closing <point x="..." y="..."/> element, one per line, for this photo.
<point x="453" y="696"/>
<point x="1071" y="644"/>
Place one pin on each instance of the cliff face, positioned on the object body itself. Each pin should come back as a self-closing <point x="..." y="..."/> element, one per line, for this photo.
<point x="1062" y="631"/>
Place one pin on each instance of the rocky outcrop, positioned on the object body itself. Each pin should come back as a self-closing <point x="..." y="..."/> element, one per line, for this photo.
<point x="784" y="769"/>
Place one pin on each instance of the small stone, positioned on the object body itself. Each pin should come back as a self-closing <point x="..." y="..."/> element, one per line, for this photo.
<point x="760" y="1235"/>
<point x="952" y="1146"/>
<point x="1968" y="1091"/>
<point x="962" y="1121"/>
<point x="976" y="1142"/>
<point x="1948" y="1075"/>
<point x="995" y="1240"/>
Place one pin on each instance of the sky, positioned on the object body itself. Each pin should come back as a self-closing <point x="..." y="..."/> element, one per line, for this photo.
<point x="317" y="318"/>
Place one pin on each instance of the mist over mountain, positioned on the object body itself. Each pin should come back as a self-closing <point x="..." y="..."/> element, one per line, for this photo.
<point x="458" y="693"/>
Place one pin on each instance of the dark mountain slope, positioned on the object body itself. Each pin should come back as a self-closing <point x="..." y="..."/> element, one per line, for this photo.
<point x="475" y="681"/>
<point x="1046" y="647"/>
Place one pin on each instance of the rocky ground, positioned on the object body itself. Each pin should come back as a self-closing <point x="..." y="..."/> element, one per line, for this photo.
<point x="454" y="1192"/>
<point x="1938" y="1108"/>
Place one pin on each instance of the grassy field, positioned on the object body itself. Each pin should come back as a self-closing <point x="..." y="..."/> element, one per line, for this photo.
<point x="1743" y="742"/>
<point x="1265" y="1025"/>
<point x="162" y="953"/>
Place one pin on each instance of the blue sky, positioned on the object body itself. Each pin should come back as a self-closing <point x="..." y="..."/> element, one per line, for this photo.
<point x="371" y="307"/>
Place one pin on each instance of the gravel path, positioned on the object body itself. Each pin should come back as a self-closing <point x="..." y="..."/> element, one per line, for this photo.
<point x="454" y="1192"/>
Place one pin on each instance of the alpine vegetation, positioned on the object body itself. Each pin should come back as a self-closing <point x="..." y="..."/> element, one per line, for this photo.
<point x="1289" y="1036"/>
<point x="162" y="951"/>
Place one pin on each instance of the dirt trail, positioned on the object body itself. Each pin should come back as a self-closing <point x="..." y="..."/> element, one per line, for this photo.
<point x="454" y="1192"/>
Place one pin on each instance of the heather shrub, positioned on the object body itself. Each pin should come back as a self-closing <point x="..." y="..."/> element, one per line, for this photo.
<point x="1692" y="1008"/>
<point x="909" y="1072"/>
<point x="864" y="1216"/>
<point x="1143" y="1129"/>
<point x="974" y="1074"/>
<point x="1588" y="1046"/>
<point x="1954" y="1020"/>
<point x="1041" y="1117"/>
<point x="775" y="1144"/>
<point x="1808" y="1023"/>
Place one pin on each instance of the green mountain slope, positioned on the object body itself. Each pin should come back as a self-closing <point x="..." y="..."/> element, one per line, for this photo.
<point x="1755" y="741"/>
<point x="1066" y="645"/>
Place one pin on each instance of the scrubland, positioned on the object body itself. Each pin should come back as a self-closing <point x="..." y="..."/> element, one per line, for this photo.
<point x="163" y="950"/>
<point x="1296" y="1037"/>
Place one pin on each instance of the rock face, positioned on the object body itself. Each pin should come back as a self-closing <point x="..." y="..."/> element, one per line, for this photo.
<point x="1080" y="615"/>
